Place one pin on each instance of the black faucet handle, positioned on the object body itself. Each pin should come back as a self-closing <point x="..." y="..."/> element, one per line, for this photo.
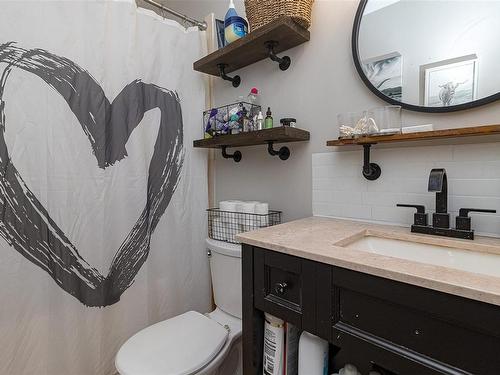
<point x="420" y="208"/>
<point x="463" y="221"/>
<point x="420" y="217"/>
<point x="464" y="212"/>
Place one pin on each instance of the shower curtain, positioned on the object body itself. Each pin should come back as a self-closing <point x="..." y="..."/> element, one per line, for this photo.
<point x="101" y="194"/>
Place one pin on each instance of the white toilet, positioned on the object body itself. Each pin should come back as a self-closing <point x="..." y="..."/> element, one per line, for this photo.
<point x="193" y="343"/>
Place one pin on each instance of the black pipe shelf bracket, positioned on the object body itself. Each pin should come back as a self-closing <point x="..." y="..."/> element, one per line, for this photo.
<point x="371" y="171"/>
<point x="283" y="153"/>
<point x="284" y="62"/>
<point x="236" y="156"/>
<point x="236" y="80"/>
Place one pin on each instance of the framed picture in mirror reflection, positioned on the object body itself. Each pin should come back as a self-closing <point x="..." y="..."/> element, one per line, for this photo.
<point x="449" y="82"/>
<point x="385" y="73"/>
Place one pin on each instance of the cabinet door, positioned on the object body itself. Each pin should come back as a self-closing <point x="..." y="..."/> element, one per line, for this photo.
<point x="294" y="289"/>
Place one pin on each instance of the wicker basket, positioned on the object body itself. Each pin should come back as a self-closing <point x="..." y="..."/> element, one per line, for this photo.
<point x="261" y="12"/>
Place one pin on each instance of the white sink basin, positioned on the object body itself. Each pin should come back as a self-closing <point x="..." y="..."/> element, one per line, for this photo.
<point x="465" y="260"/>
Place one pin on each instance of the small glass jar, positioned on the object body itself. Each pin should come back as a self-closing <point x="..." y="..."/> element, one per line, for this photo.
<point x="387" y="119"/>
<point x="349" y="122"/>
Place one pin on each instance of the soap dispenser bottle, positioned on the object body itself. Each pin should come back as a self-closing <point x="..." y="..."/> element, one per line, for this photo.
<point x="231" y="11"/>
<point x="268" y="123"/>
<point x="259" y="121"/>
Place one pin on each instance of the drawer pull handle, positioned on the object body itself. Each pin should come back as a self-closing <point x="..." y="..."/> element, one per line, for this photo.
<point x="279" y="288"/>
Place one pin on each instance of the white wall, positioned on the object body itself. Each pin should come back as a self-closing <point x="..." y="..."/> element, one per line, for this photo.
<point x="321" y="82"/>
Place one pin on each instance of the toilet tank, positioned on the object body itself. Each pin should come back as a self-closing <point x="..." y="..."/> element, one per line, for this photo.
<point x="225" y="268"/>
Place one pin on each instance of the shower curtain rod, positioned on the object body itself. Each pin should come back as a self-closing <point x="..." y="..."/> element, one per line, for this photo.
<point x="201" y="25"/>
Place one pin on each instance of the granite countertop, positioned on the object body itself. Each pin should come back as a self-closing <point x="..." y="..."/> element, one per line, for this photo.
<point x="322" y="240"/>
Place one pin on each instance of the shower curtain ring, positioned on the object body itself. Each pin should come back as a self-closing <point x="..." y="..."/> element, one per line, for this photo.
<point x="236" y="80"/>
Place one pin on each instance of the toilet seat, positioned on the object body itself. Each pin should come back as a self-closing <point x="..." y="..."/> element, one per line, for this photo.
<point x="182" y="345"/>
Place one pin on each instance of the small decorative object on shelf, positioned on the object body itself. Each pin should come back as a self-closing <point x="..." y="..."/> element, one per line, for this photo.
<point x="288" y="121"/>
<point x="233" y="118"/>
<point x="225" y="225"/>
<point x="376" y="121"/>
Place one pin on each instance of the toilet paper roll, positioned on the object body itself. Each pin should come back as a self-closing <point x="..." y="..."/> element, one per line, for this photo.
<point x="248" y="207"/>
<point x="247" y="217"/>
<point x="230" y="208"/>
<point x="262" y="209"/>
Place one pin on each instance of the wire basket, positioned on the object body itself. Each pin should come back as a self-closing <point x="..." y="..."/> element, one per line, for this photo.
<point x="262" y="12"/>
<point x="225" y="225"/>
<point x="230" y="119"/>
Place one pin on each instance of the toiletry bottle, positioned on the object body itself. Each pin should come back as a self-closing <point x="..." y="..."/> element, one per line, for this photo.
<point x="268" y="123"/>
<point x="253" y="96"/>
<point x="260" y="121"/>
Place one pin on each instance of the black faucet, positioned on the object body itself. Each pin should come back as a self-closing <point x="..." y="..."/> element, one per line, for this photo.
<point x="438" y="183"/>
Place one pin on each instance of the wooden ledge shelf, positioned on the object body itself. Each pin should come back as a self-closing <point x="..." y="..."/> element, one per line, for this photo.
<point x="269" y="137"/>
<point x="420" y="136"/>
<point x="372" y="171"/>
<point x="252" y="48"/>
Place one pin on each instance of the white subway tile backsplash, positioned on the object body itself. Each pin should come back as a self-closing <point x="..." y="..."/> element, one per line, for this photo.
<point x="456" y="202"/>
<point x="473" y="170"/>
<point x="479" y="187"/>
<point x="394" y="215"/>
<point x="485" y="152"/>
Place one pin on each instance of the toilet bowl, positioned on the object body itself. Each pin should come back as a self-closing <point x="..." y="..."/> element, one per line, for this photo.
<point x="194" y="343"/>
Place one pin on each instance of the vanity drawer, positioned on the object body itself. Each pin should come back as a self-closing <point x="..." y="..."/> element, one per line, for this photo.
<point x="435" y="325"/>
<point x="369" y="353"/>
<point x="279" y="285"/>
<point x="287" y="287"/>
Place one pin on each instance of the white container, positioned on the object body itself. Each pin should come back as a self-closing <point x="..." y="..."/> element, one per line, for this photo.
<point x="274" y="342"/>
<point x="313" y="355"/>
<point x="292" y="334"/>
<point x="349" y="370"/>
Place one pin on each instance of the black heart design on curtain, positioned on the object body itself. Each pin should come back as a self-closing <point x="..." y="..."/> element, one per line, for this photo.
<point x="26" y="225"/>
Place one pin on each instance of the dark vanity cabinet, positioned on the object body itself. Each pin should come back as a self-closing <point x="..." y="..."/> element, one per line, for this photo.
<point x="372" y="322"/>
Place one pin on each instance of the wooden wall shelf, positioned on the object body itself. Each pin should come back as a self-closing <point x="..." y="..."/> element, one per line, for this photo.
<point x="372" y="171"/>
<point x="421" y="136"/>
<point x="282" y="134"/>
<point x="252" y="48"/>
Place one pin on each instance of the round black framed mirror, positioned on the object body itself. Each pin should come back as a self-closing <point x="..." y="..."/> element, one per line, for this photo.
<point x="429" y="56"/>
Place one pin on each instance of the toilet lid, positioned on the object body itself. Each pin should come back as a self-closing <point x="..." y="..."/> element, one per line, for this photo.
<point x="181" y="345"/>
